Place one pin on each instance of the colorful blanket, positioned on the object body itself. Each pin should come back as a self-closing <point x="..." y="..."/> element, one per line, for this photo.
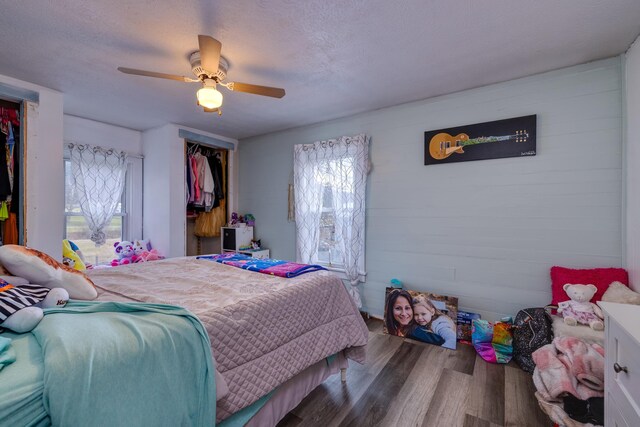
<point x="274" y="267"/>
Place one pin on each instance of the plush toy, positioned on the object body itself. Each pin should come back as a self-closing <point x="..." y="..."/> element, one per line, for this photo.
<point x="250" y="220"/>
<point x="125" y="252"/>
<point x="579" y="308"/>
<point x="21" y="305"/>
<point x="70" y="257"/>
<point x="38" y="267"/>
<point x="141" y="246"/>
<point x="152" y="255"/>
<point x="234" y="218"/>
<point x="21" y="301"/>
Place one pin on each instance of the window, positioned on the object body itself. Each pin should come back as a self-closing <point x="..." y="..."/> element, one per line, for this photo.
<point x="330" y="242"/>
<point x="330" y="189"/>
<point x="76" y="229"/>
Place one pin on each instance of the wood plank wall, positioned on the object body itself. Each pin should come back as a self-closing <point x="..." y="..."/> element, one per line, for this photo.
<point x="632" y="98"/>
<point x="485" y="231"/>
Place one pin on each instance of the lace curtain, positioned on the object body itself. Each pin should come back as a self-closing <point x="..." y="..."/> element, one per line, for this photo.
<point x="98" y="177"/>
<point x="341" y="166"/>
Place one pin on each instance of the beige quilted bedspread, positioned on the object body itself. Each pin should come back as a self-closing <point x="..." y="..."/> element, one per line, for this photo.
<point x="263" y="329"/>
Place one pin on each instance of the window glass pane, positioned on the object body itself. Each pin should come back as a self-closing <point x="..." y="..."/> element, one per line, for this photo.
<point x="78" y="232"/>
<point x="328" y="252"/>
<point x="71" y="204"/>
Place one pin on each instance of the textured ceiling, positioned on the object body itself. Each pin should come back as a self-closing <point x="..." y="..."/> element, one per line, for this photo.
<point x="334" y="58"/>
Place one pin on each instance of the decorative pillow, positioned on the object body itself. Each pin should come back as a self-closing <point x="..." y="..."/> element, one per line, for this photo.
<point x="600" y="277"/>
<point x="39" y="268"/>
<point x="618" y="292"/>
<point x="14" y="280"/>
<point x="70" y="258"/>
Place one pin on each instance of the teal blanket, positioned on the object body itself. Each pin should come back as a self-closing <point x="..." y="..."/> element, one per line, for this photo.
<point x="117" y="364"/>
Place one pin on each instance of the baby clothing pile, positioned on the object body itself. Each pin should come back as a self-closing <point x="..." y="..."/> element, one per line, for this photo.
<point x="569" y="377"/>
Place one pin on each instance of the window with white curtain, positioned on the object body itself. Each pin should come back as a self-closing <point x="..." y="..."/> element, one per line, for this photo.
<point x="125" y="224"/>
<point x="77" y="230"/>
<point x="330" y="186"/>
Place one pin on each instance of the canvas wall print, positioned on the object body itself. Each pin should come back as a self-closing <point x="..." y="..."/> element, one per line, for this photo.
<point x="421" y="316"/>
<point x="514" y="137"/>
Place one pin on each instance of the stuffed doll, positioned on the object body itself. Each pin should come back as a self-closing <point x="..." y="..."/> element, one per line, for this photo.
<point x="579" y="308"/>
<point x="125" y="252"/>
<point x="21" y="305"/>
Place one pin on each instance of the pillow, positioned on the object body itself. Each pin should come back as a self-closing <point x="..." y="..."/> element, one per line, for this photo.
<point x="617" y="292"/>
<point x="40" y="269"/>
<point x="600" y="277"/>
<point x="13" y="280"/>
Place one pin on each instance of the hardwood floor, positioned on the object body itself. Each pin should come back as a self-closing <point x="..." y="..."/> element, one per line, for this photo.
<point x="405" y="383"/>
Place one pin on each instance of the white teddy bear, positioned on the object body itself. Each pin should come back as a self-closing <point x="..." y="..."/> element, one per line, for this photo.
<point x="579" y="309"/>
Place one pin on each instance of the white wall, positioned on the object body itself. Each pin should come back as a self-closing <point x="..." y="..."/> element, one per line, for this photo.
<point x="632" y="133"/>
<point x="485" y="231"/>
<point x="44" y="184"/>
<point x="85" y="131"/>
<point x="164" y="204"/>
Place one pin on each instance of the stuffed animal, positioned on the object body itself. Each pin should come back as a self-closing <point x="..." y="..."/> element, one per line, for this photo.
<point x="579" y="308"/>
<point x="234" y="218"/>
<point x="37" y="267"/>
<point x="125" y="253"/>
<point x="21" y="305"/>
<point x="140" y="246"/>
<point x="70" y="257"/>
<point x="21" y="301"/>
<point x="152" y="255"/>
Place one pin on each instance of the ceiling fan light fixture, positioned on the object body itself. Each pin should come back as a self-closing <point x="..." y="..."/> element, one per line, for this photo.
<point x="209" y="97"/>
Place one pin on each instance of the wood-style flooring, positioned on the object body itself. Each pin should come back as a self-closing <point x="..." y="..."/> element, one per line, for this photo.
<point x="405" y="383"/>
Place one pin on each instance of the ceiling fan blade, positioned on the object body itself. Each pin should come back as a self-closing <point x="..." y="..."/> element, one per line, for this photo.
<point x="154" y="74"/>
<point x="209" y="53"/>
<point x="274" y="92"/>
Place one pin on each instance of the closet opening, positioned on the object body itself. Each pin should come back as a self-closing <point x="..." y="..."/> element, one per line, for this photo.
<point x="206" y="189"/>
<point x="12" y="169"/>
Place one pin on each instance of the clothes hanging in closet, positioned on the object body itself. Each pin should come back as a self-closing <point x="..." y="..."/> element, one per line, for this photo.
<point x="216" y="168"/>
<point x="208" y="224"/>
<point x="203" y="183"/>
<point x="10" y="195"/>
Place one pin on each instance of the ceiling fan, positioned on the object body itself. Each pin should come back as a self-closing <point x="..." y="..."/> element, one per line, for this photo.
<point x="210" y="69"/>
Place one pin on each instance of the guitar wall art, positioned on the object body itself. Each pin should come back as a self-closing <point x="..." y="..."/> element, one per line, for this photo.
<point x="514" y="137"/>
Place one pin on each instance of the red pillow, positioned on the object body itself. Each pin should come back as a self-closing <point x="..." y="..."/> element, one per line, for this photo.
<point x="601" y="277"/>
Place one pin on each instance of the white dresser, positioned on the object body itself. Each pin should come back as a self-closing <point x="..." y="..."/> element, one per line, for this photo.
<point x="622" y="364"/>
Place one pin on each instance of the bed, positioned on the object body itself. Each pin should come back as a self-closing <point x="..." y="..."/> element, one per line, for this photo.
<point x="258" y="346"/>
<point x="273" y="339"/>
